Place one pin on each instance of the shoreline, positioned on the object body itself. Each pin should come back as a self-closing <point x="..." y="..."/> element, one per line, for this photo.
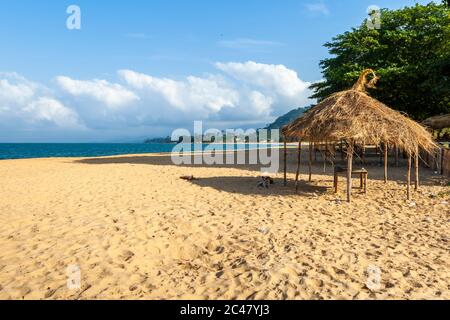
<point x="279" y="146"/>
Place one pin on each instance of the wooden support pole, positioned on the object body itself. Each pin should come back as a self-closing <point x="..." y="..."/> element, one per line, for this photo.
<point x="381" y="154"/>
<point x="385" y="162"/>
<point x="349" y="171"/>
<point x="310" y="161"/>
<point x="335" y="182"/>
<point x="285" y="162"/>
<point x="363" y="153"/>
<point x="435" y="159"/>
<point x="396" y="155"/>
<point x="416" y="169"/>
<point x="315" y="153"/>
<point x="408" y="179"/>
<point x="299" y="160"/>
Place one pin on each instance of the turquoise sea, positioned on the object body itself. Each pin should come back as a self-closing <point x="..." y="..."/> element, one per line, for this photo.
<point x="68" y="150"/>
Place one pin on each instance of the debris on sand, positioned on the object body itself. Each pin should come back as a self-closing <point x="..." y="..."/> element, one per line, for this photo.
<point x="188" y="178"/>
<point x="265" y="182"/>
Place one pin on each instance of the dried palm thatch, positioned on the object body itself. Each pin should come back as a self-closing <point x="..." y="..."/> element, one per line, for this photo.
<point x="355" y="117"/>
<point x="438" y="122"/>
<point x="352" y="115"/>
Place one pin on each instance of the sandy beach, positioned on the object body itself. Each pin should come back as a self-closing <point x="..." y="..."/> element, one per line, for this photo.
<point x="137" y="231"/>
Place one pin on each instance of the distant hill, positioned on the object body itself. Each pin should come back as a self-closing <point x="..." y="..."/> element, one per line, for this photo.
<point x="159" y="140"/>
<point x="277" y="124"/>
<point x="287" y="118"/>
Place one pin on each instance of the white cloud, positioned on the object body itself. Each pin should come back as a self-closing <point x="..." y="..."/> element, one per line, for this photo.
<point x="113" y="95"/>
<point x="15" y="89"/>
<point x="236" y="94"/>
<point x="261" y="102"/>
<point x="277" y="78"/>
<point x="25" y="104"/>
<point x="52" y="110"/>
<point x="188" y="95"/>
<point x="318" y="8"/>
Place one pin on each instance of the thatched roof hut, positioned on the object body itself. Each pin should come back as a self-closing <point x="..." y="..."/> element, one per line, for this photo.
<point x="438" y="122"/>
<point x="352" y="115"/>
<point x="358" y="119"/>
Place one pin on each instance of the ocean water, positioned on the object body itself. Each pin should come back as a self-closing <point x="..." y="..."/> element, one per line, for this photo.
<point x="76" y="150"/>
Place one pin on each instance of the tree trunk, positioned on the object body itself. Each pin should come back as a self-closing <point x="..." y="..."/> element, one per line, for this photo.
<point x="299" y="159"/>
<point x="349" y="171"/>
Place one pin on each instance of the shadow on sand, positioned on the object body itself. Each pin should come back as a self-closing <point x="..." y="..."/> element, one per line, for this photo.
<point x="248" y="186"/>
<point x="234" y="184"/>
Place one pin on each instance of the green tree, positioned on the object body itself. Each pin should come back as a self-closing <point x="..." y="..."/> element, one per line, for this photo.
<point x="410" y="52"/>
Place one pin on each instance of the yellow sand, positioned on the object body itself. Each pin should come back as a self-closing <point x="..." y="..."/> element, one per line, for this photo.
<point x="139" y="232"/>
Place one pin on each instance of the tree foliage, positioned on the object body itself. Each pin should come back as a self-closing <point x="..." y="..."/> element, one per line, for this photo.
<point x="410" y="52"/>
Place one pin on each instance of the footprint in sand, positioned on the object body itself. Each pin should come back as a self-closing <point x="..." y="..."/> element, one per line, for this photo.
<point x="220" y="250"/>
<point x="127" y="255"/>
<point x="49" y="293"/>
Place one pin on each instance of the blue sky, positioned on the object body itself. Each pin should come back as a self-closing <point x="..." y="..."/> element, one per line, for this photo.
<point x="143" y="68"/>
